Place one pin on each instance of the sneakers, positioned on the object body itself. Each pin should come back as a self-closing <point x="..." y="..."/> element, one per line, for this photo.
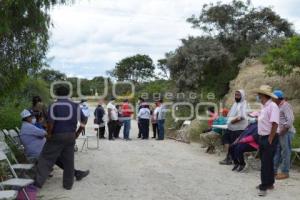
<point x="81" y="174"/>
<point x="268" y="188"/>
<point x="281" y="176"/>
<point x="262" y="193"/>
<point x="226" y="161"/>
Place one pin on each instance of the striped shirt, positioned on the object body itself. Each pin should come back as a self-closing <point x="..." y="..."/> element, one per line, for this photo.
<point x="287" y="118"/>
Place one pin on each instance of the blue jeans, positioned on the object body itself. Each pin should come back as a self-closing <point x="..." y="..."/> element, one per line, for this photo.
<point x="161" y="129"/>
<point x="283" y="153"/>
<point x="126" y="128"/>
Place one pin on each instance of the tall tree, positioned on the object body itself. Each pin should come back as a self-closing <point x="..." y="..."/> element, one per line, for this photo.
<point x="138" y="68"/>
<point x="24" y="34"/>
<point x="240" y="26"/>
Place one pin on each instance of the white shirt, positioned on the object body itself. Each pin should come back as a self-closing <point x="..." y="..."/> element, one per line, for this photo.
<point x="114" y="111"/>
<point x="144" y="113"/>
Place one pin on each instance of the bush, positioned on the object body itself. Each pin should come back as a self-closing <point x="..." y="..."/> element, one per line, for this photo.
<point x="296" y="140"/>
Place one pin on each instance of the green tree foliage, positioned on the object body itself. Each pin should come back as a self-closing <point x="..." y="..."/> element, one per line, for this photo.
<point x="284" y="60"/>
<point x="50" y="75"/>
<point x="24" y="34"/>
<point x="138" y="68"/>
<point x="201" y="62"/>
<point x="239" y="26"/>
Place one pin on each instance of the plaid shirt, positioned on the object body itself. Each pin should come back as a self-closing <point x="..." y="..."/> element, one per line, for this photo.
<point x="286" y="118"/>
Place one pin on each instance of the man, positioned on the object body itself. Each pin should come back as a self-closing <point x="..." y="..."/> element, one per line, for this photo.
<point x="112" y="119"/>
<point x="237" y="123"/>
<point x="161" y="116"/>
<point x="141" y="102"/>
<point x="286" y="133"/>
<point x="85" y="110"/>
<point x="33" y="140"/>
<point x="63" y="116"/>
<point x="210" y="139"/>
<point x="268" y="121"/>
<point x="126" y="118"/>
<point x="99" y="114"/>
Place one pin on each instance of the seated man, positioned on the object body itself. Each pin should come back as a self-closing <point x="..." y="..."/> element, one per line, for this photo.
<point x="247" y="142"/>
<point x="212" y="138"/>
<point x="33" y="139"/>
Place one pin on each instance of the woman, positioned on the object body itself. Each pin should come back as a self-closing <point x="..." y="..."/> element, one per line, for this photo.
<point x="144" y="116"/>
<point x="247" y="142"/>
<point x="154" y="113"/>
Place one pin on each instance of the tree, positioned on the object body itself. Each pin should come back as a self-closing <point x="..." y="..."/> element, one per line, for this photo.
<point x="24" y="34"/>
<point x="50" y="75"/>
<point x="285" y="59"/>
<point x="163" y="67"/>
<point x="201" y="62"/>
<point x="239" y="26"/>
<point x="138" y="68"/>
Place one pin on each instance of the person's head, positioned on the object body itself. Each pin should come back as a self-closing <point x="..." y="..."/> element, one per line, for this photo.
<point x="239" y="96"/>
<point x="224" y="112"/>
<point x="210" y="110"/>
<point x="26" y="116"/>
<point x="280" y="96"/>
<point x="82" y="101"/>
<point x="36" y="100"/>
<point x="113" y="100"/>
<point x="62" y="91"/>
<point x="264" y="94"/>
<point x="125" y="100"/>
<point x="145" y="106"/>
<point x="100" y="101"/>
<point x="141" y="100"/>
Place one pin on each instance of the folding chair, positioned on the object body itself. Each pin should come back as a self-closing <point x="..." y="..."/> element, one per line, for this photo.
<point x="182" y="133"/>
<point x="8" y="194"/>
<point x="15" y="182"/>
<point x="17" y="166"/>
<point x="15" y="136"/>
<point x="296" y="151"/>
<point x="87" y="136"/>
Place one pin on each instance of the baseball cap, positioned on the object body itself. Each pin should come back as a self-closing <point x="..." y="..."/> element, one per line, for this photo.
<point x="25" y="113"/>
<point x="279" y="94"/>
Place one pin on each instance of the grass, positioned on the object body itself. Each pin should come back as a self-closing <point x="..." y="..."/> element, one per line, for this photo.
<point x="296" y="140"/>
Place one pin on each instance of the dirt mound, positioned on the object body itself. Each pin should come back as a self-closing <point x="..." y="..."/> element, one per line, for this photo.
<point x="252" y="75"/>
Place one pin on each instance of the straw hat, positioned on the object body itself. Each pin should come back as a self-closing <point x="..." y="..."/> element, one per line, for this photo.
<point x="266" y="90"/>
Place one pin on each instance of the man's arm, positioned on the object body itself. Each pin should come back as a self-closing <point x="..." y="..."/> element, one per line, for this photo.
<point x="49" y="129"/>
<point x="273" y="132"/>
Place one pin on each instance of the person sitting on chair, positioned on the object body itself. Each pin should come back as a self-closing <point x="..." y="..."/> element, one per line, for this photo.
<point x="34" y="139"/>
<point x="247" y="142"/>
<point x="211" y="138"/>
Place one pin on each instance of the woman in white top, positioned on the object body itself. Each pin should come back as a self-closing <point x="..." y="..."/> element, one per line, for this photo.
<point x="144" y="116"/>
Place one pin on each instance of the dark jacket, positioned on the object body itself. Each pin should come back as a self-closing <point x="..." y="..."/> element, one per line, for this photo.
<point x="99" y="113"/>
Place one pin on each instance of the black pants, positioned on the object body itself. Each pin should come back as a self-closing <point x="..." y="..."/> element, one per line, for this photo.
<point x="155" y="129"/>
<point x="83" y="131"/>
<point x="145" y="128"/>
<point x="267" y="153"/>
<point x="237" y="152"/>
<point x="118" y="129"/>
<point x="112" y="128"/>
<point x="140" y="129"/>
<point x="60" y="164"/>
<point x="59" y="146"/>
<point x="101" y="132"/>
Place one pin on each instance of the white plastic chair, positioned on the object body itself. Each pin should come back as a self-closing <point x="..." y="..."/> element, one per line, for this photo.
<point x="8" y="194"/>
<point x="15" y="182"/>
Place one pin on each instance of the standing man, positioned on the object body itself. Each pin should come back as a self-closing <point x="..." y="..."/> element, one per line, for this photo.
<point x="63" y="116"/>
<point x="126" y="115"/>
<point x="161" y="116"/>
<point x="286" y="133"/>
<point x="268" y="121"/>
<point x="99" y="114"/>
<point x="112" y="118"/>
<point x="144" y="116"/>
<point x="141" y="102"/>
<point x="237" y="123"/>
<point x="154" y="112"/>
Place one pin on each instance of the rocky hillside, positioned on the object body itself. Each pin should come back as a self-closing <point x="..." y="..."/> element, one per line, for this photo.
<point x="252" y="75"/>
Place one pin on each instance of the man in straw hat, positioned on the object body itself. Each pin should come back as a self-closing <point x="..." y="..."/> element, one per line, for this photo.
<point x="268" y="121"/>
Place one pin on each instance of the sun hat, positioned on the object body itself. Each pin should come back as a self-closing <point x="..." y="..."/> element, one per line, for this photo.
<point x="25" y="113"/>
<point x="279" y="94"/>
<point x="266" y="90"/>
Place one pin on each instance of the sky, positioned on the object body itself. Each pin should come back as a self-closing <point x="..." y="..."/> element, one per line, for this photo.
<point x="90" y="36"/>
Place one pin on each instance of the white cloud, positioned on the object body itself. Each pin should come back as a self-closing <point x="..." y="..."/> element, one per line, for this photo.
<point x="90" y="36"/>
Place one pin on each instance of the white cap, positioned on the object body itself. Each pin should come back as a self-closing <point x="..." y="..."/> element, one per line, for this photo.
<point x="25" y="113"/>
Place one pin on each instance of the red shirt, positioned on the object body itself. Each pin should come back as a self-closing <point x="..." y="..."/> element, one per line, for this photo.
<point x="126" y="110"/>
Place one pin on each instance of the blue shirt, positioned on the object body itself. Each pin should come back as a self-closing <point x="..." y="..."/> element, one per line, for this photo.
<point x="64" y="115"/>
<point x="33" y="139"/>
<point x="219" y="121"/>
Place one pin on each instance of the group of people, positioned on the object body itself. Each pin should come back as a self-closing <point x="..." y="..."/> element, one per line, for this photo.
<point x="268" y="131"/>
<point x="119" y="115"/>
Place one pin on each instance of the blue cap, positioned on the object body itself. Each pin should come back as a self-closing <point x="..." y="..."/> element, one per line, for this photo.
<point x="279" y="94"/>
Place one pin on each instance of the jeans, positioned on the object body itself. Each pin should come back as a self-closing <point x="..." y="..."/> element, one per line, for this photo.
<point x="283" y="153"/>
<point x="161" y="129"/>
<point x="126" y="128"/>
<point x="267" y="152"/>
